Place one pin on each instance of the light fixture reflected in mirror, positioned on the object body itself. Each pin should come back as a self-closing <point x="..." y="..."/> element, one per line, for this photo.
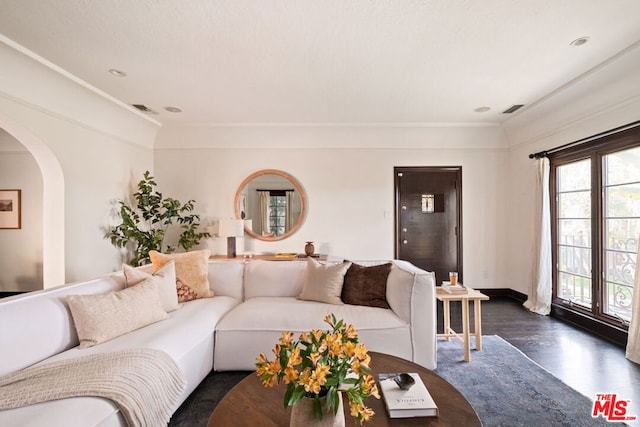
<point x="272" y="204"/>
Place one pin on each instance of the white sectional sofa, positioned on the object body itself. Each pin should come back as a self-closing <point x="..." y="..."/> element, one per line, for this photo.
<point x="253" y="302"/>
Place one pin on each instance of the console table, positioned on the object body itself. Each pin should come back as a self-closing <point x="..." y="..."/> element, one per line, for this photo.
<point x="474" y="296"/>
<point x="266" y="258"/>
<point x="250" y="404"/>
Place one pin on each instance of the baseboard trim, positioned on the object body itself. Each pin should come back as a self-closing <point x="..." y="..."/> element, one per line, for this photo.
<point x="504" y="293"/>
<point x="597" y="327"/>
<point x="617" y="336"/>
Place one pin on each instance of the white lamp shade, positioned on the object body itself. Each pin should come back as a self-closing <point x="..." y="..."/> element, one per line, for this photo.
<point x="231" y="228"/>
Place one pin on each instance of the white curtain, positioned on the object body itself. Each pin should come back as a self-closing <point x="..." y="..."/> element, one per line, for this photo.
<point x="289" y="218"/>
<point x="539" y="300"/>
<point x="633" y="340"/>
<point x="263" y="198"/>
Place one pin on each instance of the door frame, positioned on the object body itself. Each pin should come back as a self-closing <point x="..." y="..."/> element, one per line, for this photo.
<point x="396" y="203"/>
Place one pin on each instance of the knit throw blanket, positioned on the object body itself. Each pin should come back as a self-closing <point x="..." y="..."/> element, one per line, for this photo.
<point x="144" y="384"/>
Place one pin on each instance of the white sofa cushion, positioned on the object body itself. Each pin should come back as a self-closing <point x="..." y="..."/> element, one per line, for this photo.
<point x="194" y="321"/>
<point x="273" y="278"/>
<point x="255" y="326"/>
<point x="225" y="278"/>
<point x="291" y="314"/>
<point x="40" y="311"/>
<point x="77" y="411"/>
<point x="399" y="290"/>
<point x="101" y="317"/>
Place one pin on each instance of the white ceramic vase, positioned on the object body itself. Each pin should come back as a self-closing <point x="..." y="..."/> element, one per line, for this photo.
<point x="302" y="414"/>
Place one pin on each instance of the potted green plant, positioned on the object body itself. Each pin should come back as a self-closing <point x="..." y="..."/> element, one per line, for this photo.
<point x="144" y="225"/>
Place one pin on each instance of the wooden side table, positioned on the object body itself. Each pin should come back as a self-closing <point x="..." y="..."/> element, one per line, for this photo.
<point x="472" y="295"/>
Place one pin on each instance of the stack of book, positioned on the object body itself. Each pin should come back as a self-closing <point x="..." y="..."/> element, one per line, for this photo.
<point x="453" y="289"/>
<point x="415" y="402"/>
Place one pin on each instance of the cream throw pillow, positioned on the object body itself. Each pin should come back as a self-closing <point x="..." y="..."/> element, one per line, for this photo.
<point x="192" y="270"/>
<point x="164" y="278"/>
<point x="323" y="283"/>
<point x="99" y="318"/>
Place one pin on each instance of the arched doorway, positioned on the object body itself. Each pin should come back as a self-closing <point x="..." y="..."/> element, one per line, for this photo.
<point x="53" y="227"/>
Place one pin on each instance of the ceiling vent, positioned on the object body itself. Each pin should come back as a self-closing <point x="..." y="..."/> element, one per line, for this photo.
<point x="513" y="109"/>
<point x="144" y="109"/>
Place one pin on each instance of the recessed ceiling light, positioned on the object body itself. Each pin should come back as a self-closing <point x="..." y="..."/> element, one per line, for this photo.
<point x="482" y="109"/>
<point x="117" y="73"/>
<point x="580" y="41"/>
<point x="173" y="109"/>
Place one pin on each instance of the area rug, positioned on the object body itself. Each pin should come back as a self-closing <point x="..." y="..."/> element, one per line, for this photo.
<point x="503" y="385"/>
<point x="506" y="388"/>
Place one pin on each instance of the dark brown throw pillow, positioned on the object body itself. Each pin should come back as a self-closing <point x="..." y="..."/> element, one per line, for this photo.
<point x="366" y="285"/>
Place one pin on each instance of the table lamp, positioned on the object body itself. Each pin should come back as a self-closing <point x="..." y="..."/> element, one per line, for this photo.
<point x="231" y="228"/>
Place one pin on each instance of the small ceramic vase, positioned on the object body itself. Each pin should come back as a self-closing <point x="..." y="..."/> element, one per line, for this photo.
<point x="309" y="248"/>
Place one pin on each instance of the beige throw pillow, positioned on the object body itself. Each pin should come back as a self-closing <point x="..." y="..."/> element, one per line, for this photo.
<point x="192" y="270"/>
<point x="323" y="283"/>
<point x="99" y="318"/>
<point x="164" y="278"/>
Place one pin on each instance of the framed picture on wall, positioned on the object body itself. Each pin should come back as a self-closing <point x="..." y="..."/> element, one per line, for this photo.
<point x="10" y="209"/>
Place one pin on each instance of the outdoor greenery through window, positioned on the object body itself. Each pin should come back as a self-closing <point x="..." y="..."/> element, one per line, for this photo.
<point x="596" y="227"/>
<point x="621" y="229"/>
<point x="574" y="232"/>
<point x="277" y="213"/>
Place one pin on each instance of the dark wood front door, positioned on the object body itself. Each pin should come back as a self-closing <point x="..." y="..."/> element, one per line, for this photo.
<point x="428" y="218"/>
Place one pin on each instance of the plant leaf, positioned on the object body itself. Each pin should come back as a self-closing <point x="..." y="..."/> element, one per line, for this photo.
<point x="317" y="407"/>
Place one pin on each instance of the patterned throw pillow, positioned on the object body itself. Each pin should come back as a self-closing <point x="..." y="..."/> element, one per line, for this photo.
<point x="192" y="270"/>
<point x="185" y="293"/>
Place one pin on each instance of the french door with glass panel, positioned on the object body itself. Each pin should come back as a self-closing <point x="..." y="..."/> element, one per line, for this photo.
<point x="596" y="228"/>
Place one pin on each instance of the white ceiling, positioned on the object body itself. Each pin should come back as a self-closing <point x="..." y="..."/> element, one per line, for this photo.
<point x="330" y="61"/>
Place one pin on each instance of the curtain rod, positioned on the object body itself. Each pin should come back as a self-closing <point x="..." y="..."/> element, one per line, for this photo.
<point x="546" y="153"/>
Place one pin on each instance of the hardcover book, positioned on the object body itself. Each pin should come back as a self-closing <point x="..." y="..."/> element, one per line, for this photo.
<point x="454" y="289"/>
<point x="415" y="402"/>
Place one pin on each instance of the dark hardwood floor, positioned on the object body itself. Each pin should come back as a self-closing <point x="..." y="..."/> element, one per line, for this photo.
<point x="587" y="363"/>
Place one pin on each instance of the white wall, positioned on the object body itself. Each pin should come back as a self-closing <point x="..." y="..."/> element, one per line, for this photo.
<point x="21" y="259"/>
<point x="604" y="99"/>
<point x="100" y="147"/>
<point x="347" y="173"/>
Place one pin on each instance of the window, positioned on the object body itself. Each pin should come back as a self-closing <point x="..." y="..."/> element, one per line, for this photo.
<point x="574" y="232"/>
<point x="277" y="212"/>
<point x="595" y="191"/>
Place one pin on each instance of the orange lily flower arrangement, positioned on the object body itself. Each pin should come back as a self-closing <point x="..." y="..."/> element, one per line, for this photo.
<point x="322" y="363"/>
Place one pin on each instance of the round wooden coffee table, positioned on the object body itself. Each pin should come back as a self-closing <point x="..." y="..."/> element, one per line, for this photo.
<point x="251" y="404"/>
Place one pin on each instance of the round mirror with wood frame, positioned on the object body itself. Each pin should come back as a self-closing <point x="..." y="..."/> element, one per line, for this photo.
<point x="272" y="203"/>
